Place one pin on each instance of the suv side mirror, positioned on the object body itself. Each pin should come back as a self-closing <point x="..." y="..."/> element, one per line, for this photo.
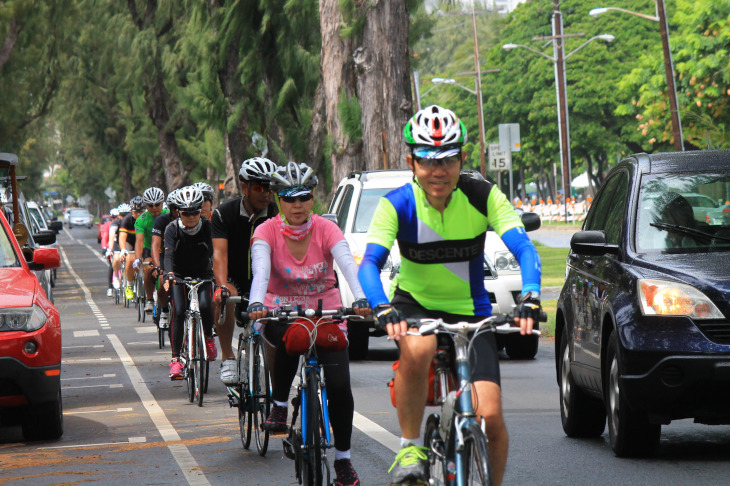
<point x="592" y="243"/>
<point x="45" y="237"/>
<point x="332" y="217"/>
<point x="531" y="221"/>
<point x="56" y="225"/>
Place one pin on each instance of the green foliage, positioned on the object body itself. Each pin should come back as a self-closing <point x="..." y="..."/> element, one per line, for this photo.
<point x="350" y="116"/>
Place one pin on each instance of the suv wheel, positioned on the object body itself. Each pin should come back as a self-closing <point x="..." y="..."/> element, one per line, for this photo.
<point x="582" y="415"/>
<point x="44" y="421"/>
<point x="358" y="336"/>
<point x="630" y="432"/>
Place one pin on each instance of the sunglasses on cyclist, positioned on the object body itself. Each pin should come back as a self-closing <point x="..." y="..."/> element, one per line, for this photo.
<point x="154" y="205"/>
<point x="446" y="162"/>
<point x="190" y="213"/>
<point x="293" y="199"/>
<point x="260" y="189"/>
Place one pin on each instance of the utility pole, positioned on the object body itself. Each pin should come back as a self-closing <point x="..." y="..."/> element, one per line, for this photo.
<point x="480" y="106"/>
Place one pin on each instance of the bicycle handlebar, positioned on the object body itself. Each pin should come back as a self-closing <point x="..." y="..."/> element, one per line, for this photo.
<point x="284" y="315"/>
<point x="501" y="324"/>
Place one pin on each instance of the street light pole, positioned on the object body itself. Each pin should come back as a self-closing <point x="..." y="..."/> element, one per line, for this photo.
<point x="562" y="94"/>
<point x="661" y="17"/>
<point x="669" y="70"/>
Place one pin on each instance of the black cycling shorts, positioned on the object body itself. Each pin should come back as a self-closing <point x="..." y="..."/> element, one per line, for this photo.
<point x="483" y="358"/>
<point x="146" y="253"/>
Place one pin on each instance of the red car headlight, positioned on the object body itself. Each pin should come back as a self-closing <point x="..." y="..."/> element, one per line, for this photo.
<point x="22" y="319"/>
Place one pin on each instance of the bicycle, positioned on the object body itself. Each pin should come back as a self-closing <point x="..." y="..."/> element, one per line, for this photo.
<point x="459" y="454"/>
<point x="252" y="394"/>
<point x="308" y="444"/>
<point x="193" y="354"/>
<point x="124" y="282"/>
<point x="140" y="294"/>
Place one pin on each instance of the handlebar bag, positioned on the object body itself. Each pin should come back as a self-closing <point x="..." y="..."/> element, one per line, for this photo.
<point x="328" y="337"/>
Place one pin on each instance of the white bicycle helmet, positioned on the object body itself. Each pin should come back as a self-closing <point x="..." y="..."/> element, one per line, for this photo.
<point x="124" y="209"/>
<point x="435" y="126"/>
<point x="153" y="195"/>
<point x="256" y="169"/>
<point x="189" y="198"/>
<point x="206" y="189"/>
<point x="170" y="201"/>
<point x="293" y="176"/>
<point x="114" y="212"/>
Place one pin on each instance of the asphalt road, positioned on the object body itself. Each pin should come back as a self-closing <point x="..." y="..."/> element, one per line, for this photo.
<point x="125" y="422"/>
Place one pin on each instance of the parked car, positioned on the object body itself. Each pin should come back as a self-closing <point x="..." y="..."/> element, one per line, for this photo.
<point x="642" y="329"/>
<point x="79" y="217"/>
<point x="39" y="223"/>
<point x="104" y="219"/>
<point x="30" y="333"/>
<point x="701" y="204"/>
<point x="352" y="207"/>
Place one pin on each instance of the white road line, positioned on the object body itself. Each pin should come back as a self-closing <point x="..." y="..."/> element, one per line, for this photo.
<point x="89" y="360"/>
<point x="180" y="452"/>
<point x="84" y="346"/>
<point x="375" y="431"/>
<point x="113" y="410"/>
<point x="113" y="385"/>
<point x="105" y="375"/>
<point x="89" y="333"/>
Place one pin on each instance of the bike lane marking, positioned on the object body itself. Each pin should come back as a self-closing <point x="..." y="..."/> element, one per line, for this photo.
<point x="376" y="432"/>
<point x="183" y="457"/>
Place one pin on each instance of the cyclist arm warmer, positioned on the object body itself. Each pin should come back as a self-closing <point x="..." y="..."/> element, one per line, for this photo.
<point x="369" y="275"/>
<point x="343" y="257"/>
<point x="526" y="254"/>
<point x="261" y="266"/>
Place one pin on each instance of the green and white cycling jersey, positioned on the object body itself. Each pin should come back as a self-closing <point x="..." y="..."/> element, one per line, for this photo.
<point x="144" y="225"/>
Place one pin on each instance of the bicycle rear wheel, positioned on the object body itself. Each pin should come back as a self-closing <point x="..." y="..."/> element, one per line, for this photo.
<point x="260" y="392"/>
<point x="245" y="422"/>
<point x="199" y="361"/>
<point x="476" y="457"/>
<point x="312" y="465"/>
<point x="433" y="441"/>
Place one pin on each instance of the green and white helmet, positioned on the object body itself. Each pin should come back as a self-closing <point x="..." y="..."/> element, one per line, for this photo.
<point x="436" y="127"/>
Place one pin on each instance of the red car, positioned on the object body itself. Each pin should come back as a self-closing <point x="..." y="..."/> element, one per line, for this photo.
<point x="30" y="338"/>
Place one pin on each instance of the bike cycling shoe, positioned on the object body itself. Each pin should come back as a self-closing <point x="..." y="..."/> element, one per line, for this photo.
<point x="164" y="320"/>
<point x="229" y="373"/>
<point x="410" y="466"/>
<point x="276" y="422"/>
<point x="148" y="307"/>
<point x="211" y="349"/>
<point x="176" y="370"/>
<point x="129" y="293"/>
<point x="345" y="473"/>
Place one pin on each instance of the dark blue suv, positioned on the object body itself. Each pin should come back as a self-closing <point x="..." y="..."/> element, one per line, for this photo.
<point x="642" y="328"/>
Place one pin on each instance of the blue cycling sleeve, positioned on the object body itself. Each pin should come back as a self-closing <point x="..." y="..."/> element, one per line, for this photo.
<point x="369" y="274"/>
<point x="526" y="254"/>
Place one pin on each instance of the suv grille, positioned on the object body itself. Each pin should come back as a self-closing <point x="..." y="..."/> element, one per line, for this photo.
<point x="716" y="331"/>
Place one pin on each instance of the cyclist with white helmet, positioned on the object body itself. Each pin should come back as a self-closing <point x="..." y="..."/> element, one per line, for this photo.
<point x="153" y="198"/>
<point x="122" y="210"/>
<point x="188" y="253"/>
<point x="158" y="254"/>
<point x="234" y="222"/>
<point x="440" y="221"/>
<point x="106" y="245"/>
<point x="208" y="196"/>
<point x="127" y="240"/>
<point x="293" y="256"/>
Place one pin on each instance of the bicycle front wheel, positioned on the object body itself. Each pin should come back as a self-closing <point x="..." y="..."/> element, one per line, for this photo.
<point x="260" y="392"/>
<point x="312" y="464"/>
<point x="478" y="465"/>
<point x="433" y="441"/>
<point x="199" y="361"/>
<point x="188" y="352"/>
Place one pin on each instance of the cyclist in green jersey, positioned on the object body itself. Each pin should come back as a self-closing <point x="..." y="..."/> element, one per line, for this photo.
<point x="440" y="221"/>
<point x="153" y="198"/>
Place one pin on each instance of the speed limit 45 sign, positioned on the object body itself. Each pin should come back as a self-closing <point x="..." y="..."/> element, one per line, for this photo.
<point x="499" y="160"/>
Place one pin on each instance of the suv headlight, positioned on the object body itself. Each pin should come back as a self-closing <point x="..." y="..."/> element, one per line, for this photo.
<point x="665" y="298"/>
<point x="504" y="260"/>
<point x="22" y="319"/>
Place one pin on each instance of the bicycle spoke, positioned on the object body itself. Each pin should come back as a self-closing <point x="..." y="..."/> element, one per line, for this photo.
<point x="261" y="393"/>
<point x="479" y="467"/>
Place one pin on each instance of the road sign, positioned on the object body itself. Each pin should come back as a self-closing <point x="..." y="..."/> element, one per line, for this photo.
<point x="499" y="160"/>
<point x="110" y="193"/>
<point x="509" y="137"/>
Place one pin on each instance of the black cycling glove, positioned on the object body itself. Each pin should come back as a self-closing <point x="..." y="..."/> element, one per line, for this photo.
<point x="529" y="306"/>
<point x="384" y="315"/>
<point x="361" y="304"/>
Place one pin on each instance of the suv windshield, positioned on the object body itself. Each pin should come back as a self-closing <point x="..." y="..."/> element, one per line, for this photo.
<point x="683" y="213"/>
<point x="366" y="208"/>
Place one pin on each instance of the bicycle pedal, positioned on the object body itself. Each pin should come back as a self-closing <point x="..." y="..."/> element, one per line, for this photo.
<point x="288" y="450"/>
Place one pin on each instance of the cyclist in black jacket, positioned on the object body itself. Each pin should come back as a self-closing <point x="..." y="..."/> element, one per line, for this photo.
<point x="189" y="253"/>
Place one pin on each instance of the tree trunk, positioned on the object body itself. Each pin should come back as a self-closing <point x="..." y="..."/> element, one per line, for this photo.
<point x="384" y="84"/>
<point x="156" y="96"/>
<point x="317" y="132"/>
<point x="338" y="79"/>
<point x="10" y="40"/>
